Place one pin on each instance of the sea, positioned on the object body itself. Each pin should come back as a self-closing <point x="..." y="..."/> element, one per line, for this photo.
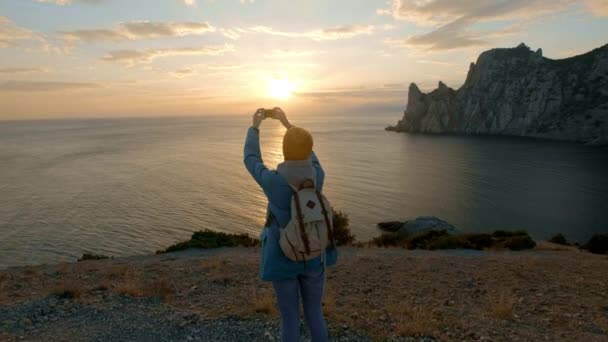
<point x="128" y="186"/>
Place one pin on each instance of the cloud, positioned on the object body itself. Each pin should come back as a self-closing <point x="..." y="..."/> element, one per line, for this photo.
<point x="68" y="2"/>
<point x="332" y="33"/>
<point x="190" y="2"/>
<point x="138" y="30"/>
<point x="10" y="33"/>
<point x="27" y="86"/>
<point x="225" y="67"/>
<point x="233" y="34"/>
<point x="14" y="71"/>
<point x="598" y="7"/>
<point x="441" y="12"/>
<point x="287" y="53"/>
<point x="454" y="21"/>
<point x="181" y="73"/>
<point x="131" y="57"/>
<point x="386" y="91"/>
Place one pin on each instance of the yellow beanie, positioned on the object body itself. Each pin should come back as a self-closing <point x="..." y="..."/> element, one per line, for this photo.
<point x="297" y="144"/>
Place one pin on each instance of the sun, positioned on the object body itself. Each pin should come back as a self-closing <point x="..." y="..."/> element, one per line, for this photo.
<point x="280" y="88"/>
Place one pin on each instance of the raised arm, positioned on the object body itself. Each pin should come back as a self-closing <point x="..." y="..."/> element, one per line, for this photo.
<point x="253" y="154"/>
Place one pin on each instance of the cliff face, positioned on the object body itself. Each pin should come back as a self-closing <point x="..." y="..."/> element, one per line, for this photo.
<point x="519" y="92"/>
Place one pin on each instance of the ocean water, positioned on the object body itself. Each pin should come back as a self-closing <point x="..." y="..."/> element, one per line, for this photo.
<point x="132" y="186"/>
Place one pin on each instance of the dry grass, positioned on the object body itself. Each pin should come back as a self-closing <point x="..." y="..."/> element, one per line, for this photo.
<point x="263" y="302"/>
<point x="62" y="268"/>
<point x="30" y="272"/>
<point x="3" y="279"/>
<point x="130" y="288"/>
<point x="117" y="272"/>
<point x="217" y="270"/>
<point x="558" y="318"/>
<point x="502" y="306"/>
<point x="134" y="286"/>
<point x="329" y="303"/>
<point x="71" y="289"/>
<point x="411" y="320"/>
<point x="159" y="288"/>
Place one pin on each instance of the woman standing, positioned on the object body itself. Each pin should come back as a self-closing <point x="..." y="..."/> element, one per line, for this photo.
<point x="290" y="279"/>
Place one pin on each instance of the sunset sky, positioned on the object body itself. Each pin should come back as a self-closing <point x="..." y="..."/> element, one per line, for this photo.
<point x="105" y="58"/>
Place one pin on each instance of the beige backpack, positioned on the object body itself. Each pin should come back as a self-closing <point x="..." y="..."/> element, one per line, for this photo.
<point x="310" y="231"/>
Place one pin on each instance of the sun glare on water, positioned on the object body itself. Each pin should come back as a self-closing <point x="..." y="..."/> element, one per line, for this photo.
<point x="280" y="88"/>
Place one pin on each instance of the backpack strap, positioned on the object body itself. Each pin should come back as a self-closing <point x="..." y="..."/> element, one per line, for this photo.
<point x="301" y="222"/>
<point x="330" y="231"/>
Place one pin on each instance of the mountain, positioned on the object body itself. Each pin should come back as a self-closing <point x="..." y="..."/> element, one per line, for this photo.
<point x="518" y="92"/>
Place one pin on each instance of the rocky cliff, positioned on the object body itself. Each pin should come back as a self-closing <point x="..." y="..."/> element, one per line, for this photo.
<point x="519" y="92"/>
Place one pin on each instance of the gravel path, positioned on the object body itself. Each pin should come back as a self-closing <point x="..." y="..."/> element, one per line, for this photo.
<point x="124" y="318"/>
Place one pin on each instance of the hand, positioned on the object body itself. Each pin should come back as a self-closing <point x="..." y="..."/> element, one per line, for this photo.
<point x="279" y="114"/>
<point x="258" y="117"/>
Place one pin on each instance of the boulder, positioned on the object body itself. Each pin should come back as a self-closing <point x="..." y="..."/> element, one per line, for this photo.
<point x="425" y="224"/>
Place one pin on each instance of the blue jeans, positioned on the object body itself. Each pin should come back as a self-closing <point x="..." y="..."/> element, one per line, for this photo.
<point x="310" y="285"/>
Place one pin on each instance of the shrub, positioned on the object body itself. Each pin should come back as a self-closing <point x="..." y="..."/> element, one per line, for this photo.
<point x="342" y="233"/>
<point x="427" y="239"/>
<point x="559" y="239"/>
<point x="502" y="234"/>
<point x="90" y="256"/>
<point x="209" y="239"/>
<point x="389" y="239"/>
<point x="479" y="241"/>
<point x="68" y="290"/>
<point x="391" y="226"/>
<point x="598" y="244"/>
<point x="441" y="239"/>
<point x="519" y="242"/>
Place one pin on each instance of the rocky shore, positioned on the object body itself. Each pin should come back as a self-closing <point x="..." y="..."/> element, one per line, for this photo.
<point x="552" y="293"/>
<point x="518" y="92"/>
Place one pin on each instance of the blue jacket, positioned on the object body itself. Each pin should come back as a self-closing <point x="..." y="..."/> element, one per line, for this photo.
<point x="274" y="265"/>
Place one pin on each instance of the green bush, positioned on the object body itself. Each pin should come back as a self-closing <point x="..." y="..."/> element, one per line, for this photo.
<point x="518" y="243"/>
<point x="389" y="239"/>
<point x="441" y="239"/>
<point x="598" y="244"/>
<point x="90" y="256"/>
<point x="210" y="239"/>
<point x="503" y="234"/>
<point x="427" y="239"/>
<point x="559" y="239"/>
<point x="341" y="230"/>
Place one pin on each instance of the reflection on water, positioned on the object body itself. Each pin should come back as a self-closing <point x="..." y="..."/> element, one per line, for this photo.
<point x="130" y="186"/>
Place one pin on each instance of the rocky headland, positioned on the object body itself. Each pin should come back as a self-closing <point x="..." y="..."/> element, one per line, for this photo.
<point x="518" y="92"/>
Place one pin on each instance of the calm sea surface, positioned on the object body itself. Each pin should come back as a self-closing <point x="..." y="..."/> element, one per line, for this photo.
<point x="132" y="186"/>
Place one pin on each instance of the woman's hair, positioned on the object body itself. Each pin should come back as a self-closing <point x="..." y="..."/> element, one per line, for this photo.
<point x="297" y="144"/>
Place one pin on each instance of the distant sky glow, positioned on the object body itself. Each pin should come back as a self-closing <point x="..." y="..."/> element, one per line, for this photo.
<point x="105" y="58"/>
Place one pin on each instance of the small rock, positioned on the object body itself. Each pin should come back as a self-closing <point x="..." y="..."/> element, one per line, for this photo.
<point x="268" y="335"/>
<point x="26" y="322"/>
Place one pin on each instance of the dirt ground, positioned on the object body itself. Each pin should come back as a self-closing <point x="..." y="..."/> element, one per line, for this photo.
<point x="547" y="294"/>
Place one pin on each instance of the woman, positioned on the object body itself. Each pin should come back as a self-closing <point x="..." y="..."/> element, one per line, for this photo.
<point x="289" y="278"/>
